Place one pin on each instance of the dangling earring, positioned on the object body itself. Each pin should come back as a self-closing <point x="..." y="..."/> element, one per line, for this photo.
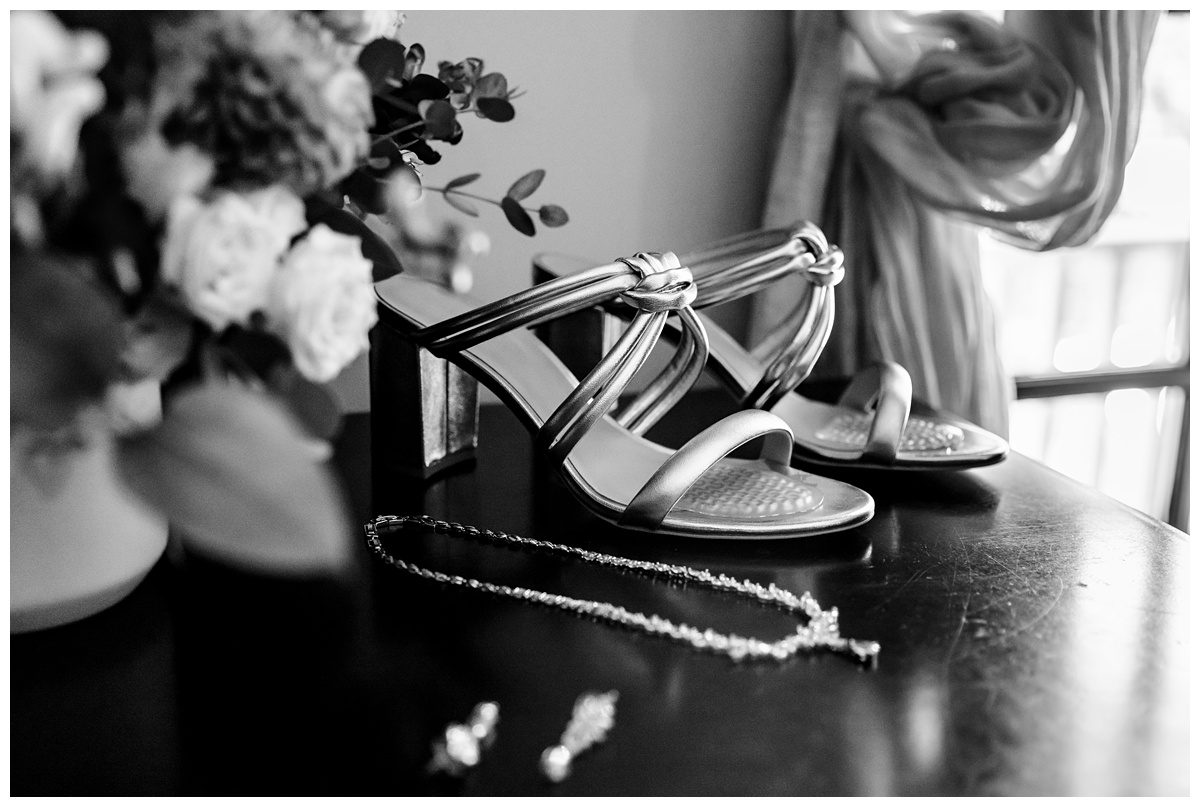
<point x="461" y="745"/>
<point x="590" y="722"/>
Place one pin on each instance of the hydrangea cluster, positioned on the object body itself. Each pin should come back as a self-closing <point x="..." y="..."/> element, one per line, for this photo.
<point x="264" y="96"/>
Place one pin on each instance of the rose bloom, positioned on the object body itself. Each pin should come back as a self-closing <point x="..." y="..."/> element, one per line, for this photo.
<point x="323" y="303"/>
<point x="53" y="89"/>
<point x="223" y="255"/>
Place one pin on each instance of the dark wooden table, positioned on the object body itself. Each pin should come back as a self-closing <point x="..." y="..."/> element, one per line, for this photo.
<point x="1035" y="641"/>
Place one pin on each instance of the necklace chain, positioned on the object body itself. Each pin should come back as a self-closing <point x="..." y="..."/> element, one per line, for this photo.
<point x="820" y="632"/>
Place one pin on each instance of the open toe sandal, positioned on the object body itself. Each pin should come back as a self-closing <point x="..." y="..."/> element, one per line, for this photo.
<point x="875" y="424"/>
<point x="695" y="491"/>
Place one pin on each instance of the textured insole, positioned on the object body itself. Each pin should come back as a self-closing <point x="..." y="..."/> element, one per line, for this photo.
<point x="850" y="430"/>
<point x="730" y="491"/>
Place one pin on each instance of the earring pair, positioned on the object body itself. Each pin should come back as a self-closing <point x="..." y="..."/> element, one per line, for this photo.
<point x="460" y="746"/>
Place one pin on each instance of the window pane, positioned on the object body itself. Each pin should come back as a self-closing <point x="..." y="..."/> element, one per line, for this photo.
<point x="1132" y="460"/>
<point x="1116" y="306"/>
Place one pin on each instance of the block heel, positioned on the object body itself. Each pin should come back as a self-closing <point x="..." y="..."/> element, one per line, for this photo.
<point x="424" y="410"/>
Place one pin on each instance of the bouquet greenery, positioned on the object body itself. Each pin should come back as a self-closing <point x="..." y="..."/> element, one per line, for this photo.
<point x="190" y="261"/>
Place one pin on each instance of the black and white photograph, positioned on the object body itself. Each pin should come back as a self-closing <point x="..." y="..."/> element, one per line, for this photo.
<point x="599" y="402"/>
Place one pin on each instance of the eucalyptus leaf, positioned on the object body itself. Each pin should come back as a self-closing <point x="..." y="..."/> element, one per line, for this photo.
<point x="426" y="87"/>
<point x="493" y="85"/>
<point x="552" y="215"/>
<point x="240" y="480"/>
<point x="458" y="182"/>
<point x="380" y="60"/>
<point x="495" y="109"/>
<point x="517" y="216"/>
<point x="439" y="118"/>
<point x="526" y="185"/>
<point x="461" y="204"/>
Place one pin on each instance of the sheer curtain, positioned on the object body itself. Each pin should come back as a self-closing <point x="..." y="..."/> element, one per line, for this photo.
<point x="905" y="133"/>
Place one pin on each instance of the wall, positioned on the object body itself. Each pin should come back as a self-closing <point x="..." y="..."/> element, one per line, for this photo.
<point x="654" y="128"/>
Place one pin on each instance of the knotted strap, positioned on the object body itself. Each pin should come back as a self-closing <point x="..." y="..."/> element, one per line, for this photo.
<point x="662" y="291"/>
<point x="753" y="261"/>
<point x="678" y="474"/>
<point x="656" y="285"/>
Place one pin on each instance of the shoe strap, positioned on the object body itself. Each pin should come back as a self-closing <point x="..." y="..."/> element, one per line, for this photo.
<point x="686" y="466"/>
<point x="687" y="363"/>
<point x="796" y="352"/>
<point x="750" y="262"/>
<point x="884" y="391"/>
<point x="654" y="284"/>
<point x="666" y="287"/>
<point x="533" y="306"/>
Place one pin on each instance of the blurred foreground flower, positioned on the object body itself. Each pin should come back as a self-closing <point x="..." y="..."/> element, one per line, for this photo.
<point x="260" y="93"/>
<point x="323" y="301"/>
<point x="440" y="251"/>
<point x="190" y="253"/>
<point x="52" y="89"/>
<point x="223" y="256"/>
<point x="360" y="27"/>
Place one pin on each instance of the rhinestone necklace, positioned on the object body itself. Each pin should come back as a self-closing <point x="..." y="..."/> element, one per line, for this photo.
<point x="820" y="632"/>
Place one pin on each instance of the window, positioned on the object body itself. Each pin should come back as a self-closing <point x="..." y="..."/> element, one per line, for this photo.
<point x="1097" y="336"/>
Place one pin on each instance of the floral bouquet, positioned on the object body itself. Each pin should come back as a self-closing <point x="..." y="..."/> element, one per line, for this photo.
<point x="190" y="250"/>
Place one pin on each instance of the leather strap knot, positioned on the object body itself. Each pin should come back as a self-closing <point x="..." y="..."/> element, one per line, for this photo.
<point x="665" y="284"/>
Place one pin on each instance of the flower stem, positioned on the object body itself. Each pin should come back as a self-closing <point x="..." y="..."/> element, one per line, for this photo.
<point x="394" y="132"/>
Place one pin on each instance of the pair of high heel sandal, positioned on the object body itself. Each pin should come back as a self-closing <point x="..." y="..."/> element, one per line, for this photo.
<point x="597" y="445"/>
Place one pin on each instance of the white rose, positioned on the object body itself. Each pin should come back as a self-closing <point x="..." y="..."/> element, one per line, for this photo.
<point x="323" y="302"/>
<point x="223" y="255"/>
<point x="53" y="89"/>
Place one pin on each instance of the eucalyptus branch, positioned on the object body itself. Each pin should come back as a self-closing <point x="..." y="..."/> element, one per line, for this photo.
<point x="517" y="214"/>
<point x="476" y="197"/>
<point x="389" y="135"/>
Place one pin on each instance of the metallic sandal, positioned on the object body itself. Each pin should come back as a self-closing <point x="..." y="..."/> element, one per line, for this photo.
<point x="869" y="427"/>
<point x="697" y="491"/>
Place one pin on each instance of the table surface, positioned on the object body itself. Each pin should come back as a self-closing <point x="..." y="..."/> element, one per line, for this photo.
<point x="1034" y="634"/>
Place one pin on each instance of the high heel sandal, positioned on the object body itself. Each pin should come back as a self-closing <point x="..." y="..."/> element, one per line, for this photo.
<point x="875" y="424"/>
<point x="697" y="491"/>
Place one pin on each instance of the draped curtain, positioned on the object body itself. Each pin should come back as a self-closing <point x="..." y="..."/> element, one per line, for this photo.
<point x="904" y="133"/>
